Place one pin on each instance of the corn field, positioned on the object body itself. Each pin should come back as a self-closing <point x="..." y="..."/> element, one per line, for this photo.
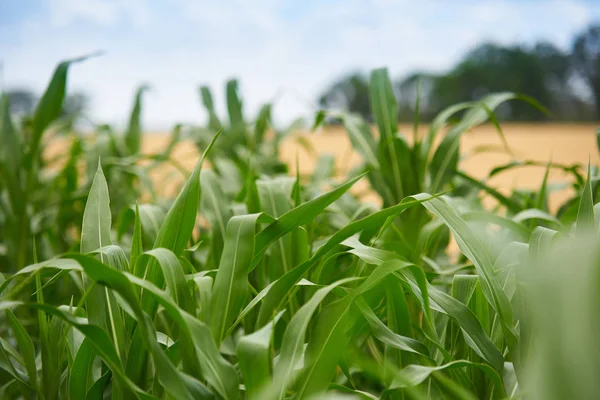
<point x="253" y="283"/>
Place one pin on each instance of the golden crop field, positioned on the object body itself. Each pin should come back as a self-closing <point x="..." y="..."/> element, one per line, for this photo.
<point x="561" y="143"/>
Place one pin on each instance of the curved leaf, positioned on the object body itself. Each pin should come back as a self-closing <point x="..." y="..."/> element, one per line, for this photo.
<point x="231" y="288"/>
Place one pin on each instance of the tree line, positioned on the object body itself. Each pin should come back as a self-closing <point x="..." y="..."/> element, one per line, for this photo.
<point x="567" y="83"/>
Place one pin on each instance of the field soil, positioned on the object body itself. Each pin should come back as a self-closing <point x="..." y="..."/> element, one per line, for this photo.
<point x="481" y="148"/>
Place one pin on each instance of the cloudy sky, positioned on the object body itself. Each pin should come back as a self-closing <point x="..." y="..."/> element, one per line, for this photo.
<point x="285" y="49"/>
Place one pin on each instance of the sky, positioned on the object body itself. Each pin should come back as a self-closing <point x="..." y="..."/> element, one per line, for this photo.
<point x="288" y="51"/>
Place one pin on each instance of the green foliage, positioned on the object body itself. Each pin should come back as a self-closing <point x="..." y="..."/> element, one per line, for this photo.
<point x="252" y="284"/>
<point x="541" y="71"/>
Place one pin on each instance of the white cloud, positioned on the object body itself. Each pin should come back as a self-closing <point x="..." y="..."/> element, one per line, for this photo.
<point x="177" y="45"/>
<point x="103" y="12"/>
<point x="63" y="12"/>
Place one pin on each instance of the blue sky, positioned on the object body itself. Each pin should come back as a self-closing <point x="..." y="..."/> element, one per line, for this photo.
<point x="285" y="49"/>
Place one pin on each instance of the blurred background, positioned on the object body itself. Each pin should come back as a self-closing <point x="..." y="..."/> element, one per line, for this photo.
<point x="304" y="54"/>
<point x="311" y="55"/>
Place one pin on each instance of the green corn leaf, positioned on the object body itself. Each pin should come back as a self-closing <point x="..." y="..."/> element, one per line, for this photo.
<point x="98" y="338"/>
<point x="475" y="250"/>
<point x="276" y="293"/>
<point x="234" y="109"/>
<point x="174" y="277"/>
<point x="325" y="348"/>
<point x="137" y="247"/>
<point x="542" y="201"/>
<point x="95" y="229"/>
<point x="81" y="370"/>
<point x="11" y="148"/>
<point x="540" y="243"/>
<point x="177" y="227"/>
<point x="387" y="336"/>
<point x="96" y="392"/>
<point x="416" y="374"/>
<point x="231" y="290"/>
<point x="262" y="124"/>
<point x="360" y="393"/>
<point x="214" y="122"/>
<point x="26" y="348"/>
<point x="6" y="364"/>
<point x="324" y="169"/>
<point x="441" y="302"/>
<point x="398" y="322"/>
<point x="509" y="203"/>
<point x="201" y="353"/>
<point x="514" y="225"/>
<point x="50" y="105"/>
<point x="298" y="216"/>
<point x="114" y="256"/>
<point x="151" y="219"/>
<point x="320" y="117"/>
<point x="437" y="124"/>
<point x="216" y="210"/>
<point x="471" y="327"/>
<point x="251" y="198"/>
<point x="293" y="343"/>
<point x="234" y="104"/>
<point x="585" y="214"/>
<point x="275" y="200"/>
<point x="535" y="214"/>
<point x="176" y="230"/>
<point x="254" y="354"/>
<point x="204" y="296"/>
<point x="445" y="159"/>
<point x="463" y="287"/>
<point x="362" y="138"/>
<point x="133" y="135"/>
<point x="204" y="353"/>
<point x="95" y="234"/>
<point x="403" y="165"/>
<point x="385" y="112"/>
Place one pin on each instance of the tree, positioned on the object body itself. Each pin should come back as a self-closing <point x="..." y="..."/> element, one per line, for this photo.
<point x="491" y="68"/>
<point x="421" y="84"/>
<point x="553" y="77"/>
<point x="556" y="65"/>
<point x="586" y="59"/>
<point x="74" y="106"/>
<point x="350" y="93"/>
<point x="22" y="101"/>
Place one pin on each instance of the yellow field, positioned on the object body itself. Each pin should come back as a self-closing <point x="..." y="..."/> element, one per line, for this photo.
<point x="563" y="143"/>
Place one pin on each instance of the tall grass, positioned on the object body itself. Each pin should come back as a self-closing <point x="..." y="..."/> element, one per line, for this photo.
<point x="254" y="284"/>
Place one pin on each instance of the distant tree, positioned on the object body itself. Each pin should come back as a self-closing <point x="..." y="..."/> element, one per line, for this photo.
<point x="556" y="65"/>
<point x="75" y="104"/>
<point x="586" y="59"/>
<point x="491" y="68"/>
<point x="416" y="84"/>
<point x="349" y="93"/>
<point x="565" y="84"/>
<point x="22" y="101"/>
<point x="553" y="77"/>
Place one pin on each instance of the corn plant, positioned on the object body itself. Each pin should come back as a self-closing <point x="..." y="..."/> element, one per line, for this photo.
<point x="44" y="198"/>
<point x="292" y="291"/>
<point x="30" y="198"/>
<point x="346" y="316"/>
<point x="244" y="144"/>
